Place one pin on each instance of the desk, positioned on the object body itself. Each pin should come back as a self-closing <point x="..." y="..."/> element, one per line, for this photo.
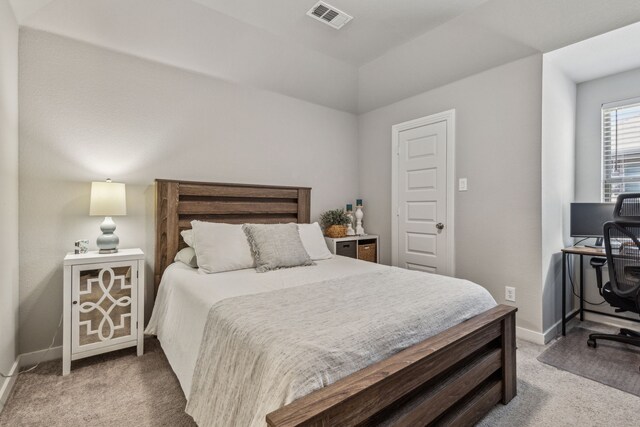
<point x="581" y="251"/>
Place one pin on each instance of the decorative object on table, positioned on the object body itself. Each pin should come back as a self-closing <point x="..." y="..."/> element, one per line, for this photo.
<point x="82" y="246"/>
<point x="350" y="230"/>
<point x="335" y="223"/>
<point x="359" y="216"/>
<point x="108" y="199"/>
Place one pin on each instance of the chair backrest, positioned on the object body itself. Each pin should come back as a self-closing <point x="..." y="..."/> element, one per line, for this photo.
<point x="627" y="208"/>
<point x="624" y="261"/>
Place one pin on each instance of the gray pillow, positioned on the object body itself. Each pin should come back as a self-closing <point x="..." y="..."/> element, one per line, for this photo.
<point x="276" y="246"/>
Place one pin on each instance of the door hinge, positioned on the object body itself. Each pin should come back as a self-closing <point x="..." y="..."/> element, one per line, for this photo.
<point x="137" y="274"/>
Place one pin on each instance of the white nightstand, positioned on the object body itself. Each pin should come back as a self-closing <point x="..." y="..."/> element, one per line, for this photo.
<point x="103" y="304"/>
<point x="363" y="247"/>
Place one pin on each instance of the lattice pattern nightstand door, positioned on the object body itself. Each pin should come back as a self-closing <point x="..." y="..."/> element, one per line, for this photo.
<point x="103" y="305"/>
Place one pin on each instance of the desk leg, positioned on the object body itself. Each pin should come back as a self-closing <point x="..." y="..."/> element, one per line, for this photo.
<point x="581" y="288"/>
<point x="564" y="293"/>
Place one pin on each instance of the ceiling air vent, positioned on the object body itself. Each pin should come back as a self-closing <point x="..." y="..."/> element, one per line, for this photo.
<point x="329" y="15"/>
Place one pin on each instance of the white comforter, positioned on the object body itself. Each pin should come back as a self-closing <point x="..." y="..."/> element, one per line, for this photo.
<point x="186" y="296"/>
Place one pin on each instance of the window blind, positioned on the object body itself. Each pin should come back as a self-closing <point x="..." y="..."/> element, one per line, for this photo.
<point x="620" y="149"/>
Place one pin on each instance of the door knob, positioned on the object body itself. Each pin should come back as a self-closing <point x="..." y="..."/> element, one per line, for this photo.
<point x="440" y="226"/>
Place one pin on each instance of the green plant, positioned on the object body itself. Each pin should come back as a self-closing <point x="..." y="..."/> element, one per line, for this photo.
<point x="334" y="217"/>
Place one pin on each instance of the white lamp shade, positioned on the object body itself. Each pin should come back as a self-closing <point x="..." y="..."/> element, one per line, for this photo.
<point x="108" y="199"/>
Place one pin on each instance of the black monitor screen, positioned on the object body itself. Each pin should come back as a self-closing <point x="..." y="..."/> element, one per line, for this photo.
<point x="587" y="219"/>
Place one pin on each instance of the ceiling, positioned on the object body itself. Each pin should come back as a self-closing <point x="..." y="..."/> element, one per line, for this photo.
<point x="494" y="33"/>
<point x="274" y="46"/>
<point x="378" y="25"/>
<point x="26" y="8"/>
<point x="600" y="56"/>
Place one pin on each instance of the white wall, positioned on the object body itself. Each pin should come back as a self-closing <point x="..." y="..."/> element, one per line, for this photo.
<point x="558" y="143"/>
<point x="498" y="118"/>
<point x="8" y="190"/>
<point x="88" y="113"/>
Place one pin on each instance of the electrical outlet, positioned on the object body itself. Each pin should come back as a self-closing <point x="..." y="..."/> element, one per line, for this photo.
<point x="510" y="293"/>
<point x="462" y="184"/>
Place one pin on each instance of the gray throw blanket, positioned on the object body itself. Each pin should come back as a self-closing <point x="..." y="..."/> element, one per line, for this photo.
<point x="261" y="352"/>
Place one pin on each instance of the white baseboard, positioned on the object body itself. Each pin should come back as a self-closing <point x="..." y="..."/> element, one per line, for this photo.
<point x="538" y="337"/>
<point x="612" y="321"/>
<point x="555" y="330"/>
<point x="30" y="359"/>
<point x="8" y="383"/>
<point x="529" y="335"/>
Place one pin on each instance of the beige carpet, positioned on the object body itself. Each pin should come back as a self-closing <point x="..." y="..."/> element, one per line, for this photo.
<point x="121" y="389"/>
<point x="114" y="389"/>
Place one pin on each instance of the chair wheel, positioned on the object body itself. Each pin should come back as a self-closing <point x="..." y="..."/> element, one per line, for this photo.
<point x="592" y="343"/>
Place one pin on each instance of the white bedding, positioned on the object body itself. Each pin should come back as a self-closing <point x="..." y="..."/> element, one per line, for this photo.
<point x="185" y="297"/>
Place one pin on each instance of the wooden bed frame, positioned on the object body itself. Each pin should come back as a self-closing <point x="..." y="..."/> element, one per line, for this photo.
<point x="453" y="378"/>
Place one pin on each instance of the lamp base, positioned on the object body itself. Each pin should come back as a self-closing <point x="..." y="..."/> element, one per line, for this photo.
<point x="108" y="241"/>
<point x="108" y="251"/>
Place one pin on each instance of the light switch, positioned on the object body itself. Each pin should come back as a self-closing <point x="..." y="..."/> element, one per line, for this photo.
<point x="462" y="184"/>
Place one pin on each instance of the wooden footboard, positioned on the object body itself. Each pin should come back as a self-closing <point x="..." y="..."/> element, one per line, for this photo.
<point x="453" y="378"/>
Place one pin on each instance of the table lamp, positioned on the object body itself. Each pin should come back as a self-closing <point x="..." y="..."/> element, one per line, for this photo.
<point x="108" y="199"/>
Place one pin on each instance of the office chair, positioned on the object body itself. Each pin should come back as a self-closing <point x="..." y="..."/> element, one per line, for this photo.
<point x="623" y="289"/>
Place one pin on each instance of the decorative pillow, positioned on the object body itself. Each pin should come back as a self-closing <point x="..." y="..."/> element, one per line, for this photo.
<point x="187" y="236"/>
<point x="313" y="241"/>
<point x="276" y="246"/>
<point x="187" y="256"/>
<point x="221" y="247"/>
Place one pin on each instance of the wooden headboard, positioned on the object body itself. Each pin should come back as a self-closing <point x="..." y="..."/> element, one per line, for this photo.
<point x="180" y="202"/>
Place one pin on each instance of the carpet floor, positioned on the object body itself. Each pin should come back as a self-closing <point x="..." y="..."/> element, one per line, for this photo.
<point x="120" y="389"/>
<point x="114" y="389"/>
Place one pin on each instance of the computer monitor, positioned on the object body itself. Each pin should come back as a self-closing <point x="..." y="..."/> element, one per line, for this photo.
<point x="587" y="219"/>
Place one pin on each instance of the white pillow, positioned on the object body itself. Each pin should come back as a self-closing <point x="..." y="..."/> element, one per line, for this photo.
<point x="187" y="236"/>
<point x="221" y="247"/>
<point x="313" y="241"/>
<point x="187" y="256"/>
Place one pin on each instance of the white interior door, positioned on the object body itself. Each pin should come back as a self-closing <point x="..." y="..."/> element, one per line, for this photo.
<point x="421" y="191"/>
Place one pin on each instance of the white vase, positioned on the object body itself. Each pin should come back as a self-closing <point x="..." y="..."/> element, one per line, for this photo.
<point x="350" y="230"/>
<point x="359" y="216"/>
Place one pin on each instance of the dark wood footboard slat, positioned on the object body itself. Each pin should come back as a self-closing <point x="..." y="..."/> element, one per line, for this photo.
<point x="471" y="410"/>
<point x="428" y="406"/>
<point x="471" y="354"/>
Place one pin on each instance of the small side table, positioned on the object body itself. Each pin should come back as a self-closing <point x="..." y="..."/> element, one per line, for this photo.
<point x="103" y="304"/>
<point x="363" y="247"/>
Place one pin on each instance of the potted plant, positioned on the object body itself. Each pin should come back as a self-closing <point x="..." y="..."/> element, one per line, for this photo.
<point x="335" y="223"/>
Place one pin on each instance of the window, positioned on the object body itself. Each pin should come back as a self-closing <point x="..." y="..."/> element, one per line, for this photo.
<point x="620" y="148"/>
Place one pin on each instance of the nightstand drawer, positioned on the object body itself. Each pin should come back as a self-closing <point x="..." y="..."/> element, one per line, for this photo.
<point x="348" y="249"/>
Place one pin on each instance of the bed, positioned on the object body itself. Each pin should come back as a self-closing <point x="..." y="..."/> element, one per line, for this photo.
<point x="452" y="377"/>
